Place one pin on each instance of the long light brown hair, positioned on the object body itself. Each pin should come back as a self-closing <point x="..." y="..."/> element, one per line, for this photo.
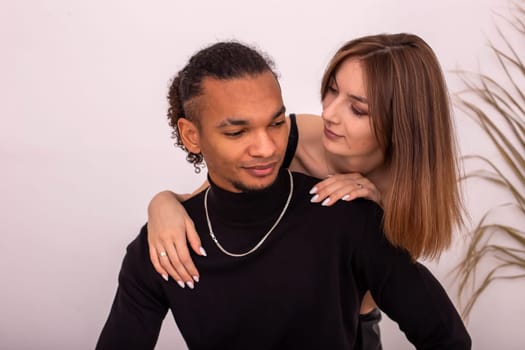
<point x="409" y="110"/>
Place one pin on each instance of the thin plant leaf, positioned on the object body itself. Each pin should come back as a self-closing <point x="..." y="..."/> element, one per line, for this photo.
<point x="507" y="150"/>
<point x="516" y="193"/>
<point x="489" y="103"/>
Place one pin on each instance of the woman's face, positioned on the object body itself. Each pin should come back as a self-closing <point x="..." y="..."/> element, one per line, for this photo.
<point x="348" y="130"/>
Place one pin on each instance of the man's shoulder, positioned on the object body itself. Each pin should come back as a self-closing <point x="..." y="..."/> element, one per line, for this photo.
<point x="302" y="180"/>
<point x="358" y="217"/>
<point x="140" y="244"/>
<point x="137" y="254"/>
<point x="303" y="184"/>
<point x="195" y="202"/>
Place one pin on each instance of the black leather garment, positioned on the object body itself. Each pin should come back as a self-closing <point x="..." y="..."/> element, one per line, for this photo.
<point x="369" y="334"/>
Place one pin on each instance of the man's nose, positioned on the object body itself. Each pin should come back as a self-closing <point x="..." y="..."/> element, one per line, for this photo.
<point x="262" y="145"/>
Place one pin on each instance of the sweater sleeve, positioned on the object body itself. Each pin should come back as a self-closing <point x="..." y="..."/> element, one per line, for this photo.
<point x="408" y="292"/>
<point x="139" y="306"/>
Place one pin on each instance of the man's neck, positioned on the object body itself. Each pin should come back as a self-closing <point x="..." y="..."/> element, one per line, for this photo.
<point x="251" y="205"/>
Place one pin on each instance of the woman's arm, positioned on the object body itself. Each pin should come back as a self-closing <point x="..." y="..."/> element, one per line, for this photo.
<point x="310" y="158"/>
<point x="345" y="187"/>
<point x="169" y="226"/>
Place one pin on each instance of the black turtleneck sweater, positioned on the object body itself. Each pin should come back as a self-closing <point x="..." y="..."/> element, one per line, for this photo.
<point x="300" y="290"/>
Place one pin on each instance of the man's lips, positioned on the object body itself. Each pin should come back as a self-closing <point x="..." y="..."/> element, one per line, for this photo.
<point x="261" y="169"/>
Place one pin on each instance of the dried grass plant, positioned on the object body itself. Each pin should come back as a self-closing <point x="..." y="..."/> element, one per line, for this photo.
<point x="497" y="103"/>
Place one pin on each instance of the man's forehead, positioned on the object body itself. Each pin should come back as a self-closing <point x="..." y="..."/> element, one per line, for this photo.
<point x="240" y="101"/>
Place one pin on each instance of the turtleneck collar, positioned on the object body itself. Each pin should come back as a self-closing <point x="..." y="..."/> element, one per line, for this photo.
<point x="246" y="207"/>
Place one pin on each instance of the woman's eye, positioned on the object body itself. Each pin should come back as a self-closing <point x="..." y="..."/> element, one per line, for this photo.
<point x="277" y="124"/>
<point x="358" y="111"/>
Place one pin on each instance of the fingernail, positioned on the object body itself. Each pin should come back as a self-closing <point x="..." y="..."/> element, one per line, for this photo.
<point x="165" y="277"/>
<point x="196" y="278"/>
<point x="325" y="202"/>
<point x="181" y="284"/>
<point x="314" y="198"/>
<point x="346" y="197"/>
<point x="203" y="252"/>
<point x="190" y="284"/>
<point x="313" y="190"/>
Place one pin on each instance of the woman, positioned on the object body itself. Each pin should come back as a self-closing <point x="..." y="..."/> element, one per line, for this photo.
<point x="386" y="134"/>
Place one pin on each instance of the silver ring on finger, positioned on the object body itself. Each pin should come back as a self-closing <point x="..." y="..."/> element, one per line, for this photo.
<point x="163" y="254"/>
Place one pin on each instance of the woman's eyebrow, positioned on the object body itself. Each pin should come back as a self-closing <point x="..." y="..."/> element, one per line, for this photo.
<point x="357" y="98"/>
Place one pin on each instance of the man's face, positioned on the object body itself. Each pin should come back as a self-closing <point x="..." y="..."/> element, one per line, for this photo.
<point x="242" y="132"/>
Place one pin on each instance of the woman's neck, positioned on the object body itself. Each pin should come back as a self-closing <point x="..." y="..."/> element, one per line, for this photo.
<point x="381" y="178"/>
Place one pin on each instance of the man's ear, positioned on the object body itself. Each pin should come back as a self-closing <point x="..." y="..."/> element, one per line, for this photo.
<point x="189" y="135"/>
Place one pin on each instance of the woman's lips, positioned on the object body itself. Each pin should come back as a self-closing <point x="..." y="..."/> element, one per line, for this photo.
<point x="330" y="134"/>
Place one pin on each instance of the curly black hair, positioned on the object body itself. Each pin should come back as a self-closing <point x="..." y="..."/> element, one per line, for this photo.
<point x="223" y="60"/>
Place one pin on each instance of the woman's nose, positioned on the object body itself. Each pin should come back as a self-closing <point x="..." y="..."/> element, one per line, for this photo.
<point x="329" y="113"/>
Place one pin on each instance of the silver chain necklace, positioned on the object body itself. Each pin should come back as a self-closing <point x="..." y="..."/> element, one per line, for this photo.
<point x="264" y="237"/>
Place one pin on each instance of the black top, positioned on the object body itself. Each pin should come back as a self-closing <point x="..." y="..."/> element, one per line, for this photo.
<point x="293" y="140"/>
<point x="300" y="290"/>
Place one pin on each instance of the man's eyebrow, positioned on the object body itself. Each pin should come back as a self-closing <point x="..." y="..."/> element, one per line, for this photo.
<point x="280" y="112"/>
<point x="232" y="121"/>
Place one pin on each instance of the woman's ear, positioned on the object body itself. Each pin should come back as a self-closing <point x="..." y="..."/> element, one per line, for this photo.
<point x="189" y="135"/>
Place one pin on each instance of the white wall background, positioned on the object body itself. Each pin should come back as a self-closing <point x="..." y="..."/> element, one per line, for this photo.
<point x="84" y="142"/>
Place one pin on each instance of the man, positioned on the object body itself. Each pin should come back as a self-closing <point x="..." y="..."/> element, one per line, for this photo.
<point x="280" y="273"/>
